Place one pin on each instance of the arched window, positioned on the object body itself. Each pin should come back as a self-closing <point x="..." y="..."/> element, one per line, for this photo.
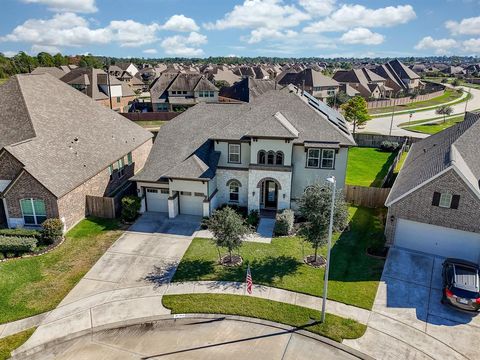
<point x="279" y="158"/>
<point x="271" y="158"/>
<point x="261" y="157"/>
<point x="234" y="190"/>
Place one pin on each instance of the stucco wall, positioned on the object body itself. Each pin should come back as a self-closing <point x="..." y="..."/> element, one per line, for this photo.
<point x="418" y="206"/>
<point x="275" y="145"/>
<point x="186" y="185"/>
<point x="222" y="146"/>
<point x="303" y="176"/>
<point x="283" y="177"/>
<point x="223" y="195"/>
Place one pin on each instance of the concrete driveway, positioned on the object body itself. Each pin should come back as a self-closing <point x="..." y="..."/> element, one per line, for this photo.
<point x="409" y="322"/>
<point x="199" y="338"/>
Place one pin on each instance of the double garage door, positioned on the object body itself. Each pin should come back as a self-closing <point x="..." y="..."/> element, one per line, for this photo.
<point x="437" y="240"/>
<point x="190" y="203"/>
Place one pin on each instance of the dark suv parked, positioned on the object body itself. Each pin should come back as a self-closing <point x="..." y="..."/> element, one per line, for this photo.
<point x="461" y="284"/>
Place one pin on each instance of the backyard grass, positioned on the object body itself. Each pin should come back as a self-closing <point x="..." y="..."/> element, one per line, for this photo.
<point x="335" y="327"/>
<point x="353" y="277"/>
<point x="12" y="342"/>
<point x="368" y="166"/>
<point x="34" y="285"/>
<point x="150" y="124"/>
<point x="449" y="95"/>
<point x="451" y="79"/>
<point x="434" y="128"/>
<point x="3" y="81"/>
<point x="400" y="163"/>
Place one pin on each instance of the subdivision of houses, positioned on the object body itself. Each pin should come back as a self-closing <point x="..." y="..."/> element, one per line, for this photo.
<point x="365" y="82"/>
<point x="312" y="81"/>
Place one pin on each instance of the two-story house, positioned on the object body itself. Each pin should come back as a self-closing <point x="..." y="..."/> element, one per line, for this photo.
<point x="312" y="81"/>
<point x="434" y="205"/>
<point x="366" y="82"/>
<point x="175" y="91"/>
<point x="399" y="77"/>
<point x="56" y="147"/>
<point x="259" y="155"/>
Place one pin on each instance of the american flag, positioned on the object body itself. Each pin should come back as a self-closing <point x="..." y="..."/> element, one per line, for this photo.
<point x="249" y="280"/>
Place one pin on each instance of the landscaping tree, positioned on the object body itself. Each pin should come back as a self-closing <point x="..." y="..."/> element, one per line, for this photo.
<point x="455" y="83"/>
<point x="314" y="206"/>
<point x="337" y="100"/>
<point x="444" y="110"/>
<point x="229" y="229"/>
<point x="355" y="111"/>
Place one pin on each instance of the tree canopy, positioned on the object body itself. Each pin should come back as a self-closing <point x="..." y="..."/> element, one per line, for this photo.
<point x="355" y="111"/>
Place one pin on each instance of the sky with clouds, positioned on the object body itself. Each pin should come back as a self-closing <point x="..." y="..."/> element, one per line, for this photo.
<point x="284" y="28"/>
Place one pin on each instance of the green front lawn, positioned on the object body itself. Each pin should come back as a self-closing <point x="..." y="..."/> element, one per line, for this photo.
<point x="436" y="127"/>
<point x="335" y="327"/>
<point x="368" y="166"/>
<point x="34" y="285"/>
<point x="354" y="276"/>
<point x="449" y="95"/>
<point x="12" y="342"/>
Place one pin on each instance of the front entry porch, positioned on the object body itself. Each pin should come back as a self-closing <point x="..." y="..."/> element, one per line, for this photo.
<point x="269" y="195"/>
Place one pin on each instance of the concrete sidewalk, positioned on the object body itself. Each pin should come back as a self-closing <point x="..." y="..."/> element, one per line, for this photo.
<point x="14" y="327"/>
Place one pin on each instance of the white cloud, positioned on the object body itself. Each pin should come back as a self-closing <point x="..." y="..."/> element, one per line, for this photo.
<point x="180" y="23"/>
<point x="131" y="33"/>
<point x="9" y="54"/>
<point x="362" y="36"/>
<point x="187" y="46"/>
<point x="440" y="46"/>
<point x="261" y="34"/>
<point x="272" y="14"/>
<point x="469" y="26"/>
<point x="471" y="46"/>
<point x="84" y="6"/>
<point x="318" y="8"/>
<point x="351" y="16"/>
<point x="150" y="51"/>
<point x="69" y="29"/>
<point x="45" y="48"/>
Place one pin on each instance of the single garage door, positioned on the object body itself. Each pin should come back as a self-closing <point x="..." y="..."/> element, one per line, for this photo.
<point x="437" y="240"/>
<point x="157" y="200"/>
<point x="191" y="203"/>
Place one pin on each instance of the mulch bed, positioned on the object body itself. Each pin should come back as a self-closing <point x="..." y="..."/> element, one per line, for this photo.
<point x="235" y="260"/>
<point x="44" y="251"/>
<point x="310" y="260"/>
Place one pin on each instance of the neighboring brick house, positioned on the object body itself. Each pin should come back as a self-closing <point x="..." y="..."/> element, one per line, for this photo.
<point x="57" y="146"/>
<point x="261" y="155"/>
<point x="434" y="205"/>
<point x="96" y="84"/>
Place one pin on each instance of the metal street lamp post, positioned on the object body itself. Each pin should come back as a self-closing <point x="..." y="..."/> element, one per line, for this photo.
<point x="333" y="181"/>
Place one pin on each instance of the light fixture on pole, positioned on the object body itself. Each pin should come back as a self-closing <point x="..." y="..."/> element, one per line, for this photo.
<point x="333" y="181"/>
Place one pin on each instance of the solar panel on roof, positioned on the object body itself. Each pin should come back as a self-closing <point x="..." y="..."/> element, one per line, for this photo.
<point x="333" y="116"/>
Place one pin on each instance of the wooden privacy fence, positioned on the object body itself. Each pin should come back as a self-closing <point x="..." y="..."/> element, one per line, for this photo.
<point x="403" y="100"/>
<point x="370" y="197"/>
<point x="99" y="206"/>
<point x="390" y="177"/>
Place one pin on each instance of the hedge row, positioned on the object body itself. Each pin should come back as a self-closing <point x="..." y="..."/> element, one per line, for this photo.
<point x="17" y="245"/>
<point x="29" y="233"/>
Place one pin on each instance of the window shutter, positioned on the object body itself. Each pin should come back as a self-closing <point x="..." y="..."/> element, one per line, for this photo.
<point x="455" y="202"/>
<point x="436" y="198"/>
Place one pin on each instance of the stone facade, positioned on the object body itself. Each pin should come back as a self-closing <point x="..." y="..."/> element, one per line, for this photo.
<point x="284" y="178"/>
<point x="223" y="177"/>
<point x="9" y="166"/>
<point x="26" y="187"/>
<point x="417" y="206"/>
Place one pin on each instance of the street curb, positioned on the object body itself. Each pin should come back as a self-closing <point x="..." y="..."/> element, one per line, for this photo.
<point x="186" y="318"/>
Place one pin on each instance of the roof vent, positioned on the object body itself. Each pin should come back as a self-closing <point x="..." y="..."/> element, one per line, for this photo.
<point x="75" y="139"/>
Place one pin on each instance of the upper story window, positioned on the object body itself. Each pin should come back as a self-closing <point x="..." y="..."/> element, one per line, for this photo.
<point x="205" y="93"/>
<point x="234" y="153"/>
<point x="446" y="200"/>
<point x="129" y="158"/>
<point x="321" y="158"/>
<point x="270" y="158"/>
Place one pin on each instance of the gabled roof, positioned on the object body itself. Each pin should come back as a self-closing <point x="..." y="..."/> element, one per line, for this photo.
<point x="431" y="156"/>
<point x="248" y="89"/>
<point x="161" y="84"/>
<point x="204" y="85"/>
<point x="275" y="114"/>
<point x="52" y="70"/>
<point x="62" y="137"/>
<point x="92" y="78"/>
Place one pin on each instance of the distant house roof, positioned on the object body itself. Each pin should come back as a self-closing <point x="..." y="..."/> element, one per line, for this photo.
<point x="310" y="77"/>
<point x="61" y="136"/>
<point x="429" y="157"/>
<point x="248" y="89"/>
<point x="285" y="114"/>
<point x="57" y="72"/>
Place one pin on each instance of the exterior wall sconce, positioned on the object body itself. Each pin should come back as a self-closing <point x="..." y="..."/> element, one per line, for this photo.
<point x="253" y="193"/>
<point x="284" y="195"/>
<point x="392" y="218"/>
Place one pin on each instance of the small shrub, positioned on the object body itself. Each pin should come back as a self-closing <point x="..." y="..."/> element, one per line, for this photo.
<point x="16" y="245"/>
<point x="240" y="210"/>
<point x="52" y="231"/>
<point x="10" y="255"/>
<point x="2" y="256"/>
<point x="253" y="218"/>
<point x="389" y="146"/>
<point x="284" y="223"/>
<point x="21" y="232"/>
<point x="204" y="223"/>
<point x="130" y="207"/>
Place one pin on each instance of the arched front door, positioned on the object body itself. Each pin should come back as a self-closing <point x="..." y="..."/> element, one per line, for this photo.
<point x="269" y="194"/>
